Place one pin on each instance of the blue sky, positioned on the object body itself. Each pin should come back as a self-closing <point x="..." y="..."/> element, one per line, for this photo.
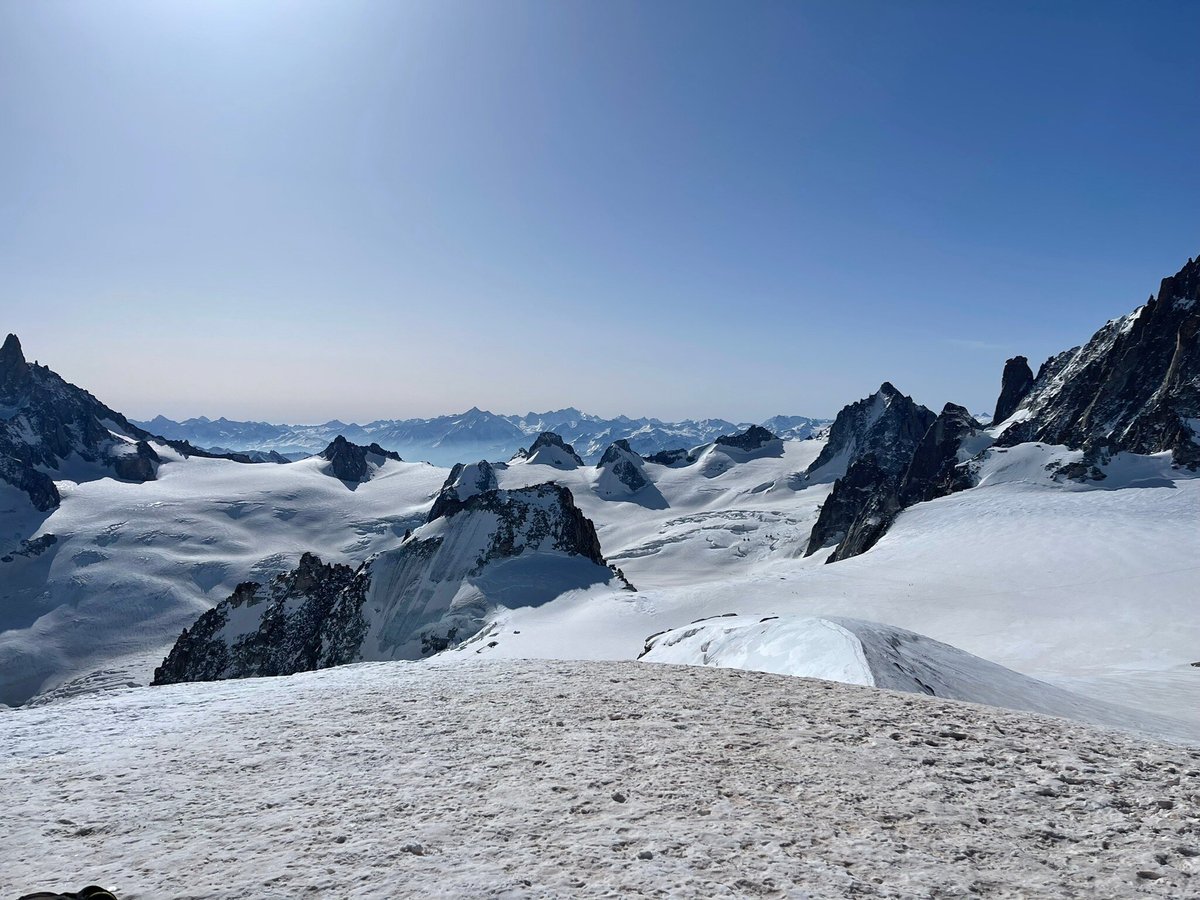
<point x="298" y="211"/>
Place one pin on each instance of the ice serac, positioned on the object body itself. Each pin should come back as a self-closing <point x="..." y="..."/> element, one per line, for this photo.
<point x="491" y="549"/>
<point x="352" y="462"/>
<point x="1015" y="385"/>
<point x="551" y="450"/>
<point x="1135" y="386"/>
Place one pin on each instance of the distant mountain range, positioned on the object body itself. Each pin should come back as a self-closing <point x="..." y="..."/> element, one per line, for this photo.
<point x="472" y="435"/>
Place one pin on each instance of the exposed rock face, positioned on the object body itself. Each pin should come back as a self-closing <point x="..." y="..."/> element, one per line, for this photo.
<point x="289" y="614"/>
<point x="550" y="449"/>
<point x="495" y="547"/>
<point x="857" y="512"/>
<point x="463" y="483"/>
<point x="887" y="425"/>
<point x="351" y="462"/>
<point x="670" y="457"/>
<point x="753" y="438"/>
<point x="141" y="465"/>
<point x="621" y="465"/>
<point x="866" y="500"/>
<point x="1135" y="386"/>
<point x="1015" y="385"/>
<point x="935" y="470"/>
<point x="44" y="421"/>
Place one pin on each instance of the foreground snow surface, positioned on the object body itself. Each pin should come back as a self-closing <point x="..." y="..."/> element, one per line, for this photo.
<point x="543" y="778"/>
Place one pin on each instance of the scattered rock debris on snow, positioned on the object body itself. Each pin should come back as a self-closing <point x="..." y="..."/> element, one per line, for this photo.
<point x="499" y="779"/>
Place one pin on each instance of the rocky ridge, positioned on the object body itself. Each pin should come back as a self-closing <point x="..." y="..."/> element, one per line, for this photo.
<point x="1134" y="386"/>
<point x="480" y="549"/>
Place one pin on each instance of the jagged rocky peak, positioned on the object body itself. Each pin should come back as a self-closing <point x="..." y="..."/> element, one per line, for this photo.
<point x="353" y="462"/>
<point x="281" y="636"/>
<point x="463" y="482"/>
<point x="621" y="469"/>
<point x="508" y="548"/>
<point x="14" y="370"/>
<point x="936" y="468"/>
<point x="551" y="450"/>
<point x="45" y="420"/>
<point x="866" y="500"/>
<point x="1015" y="385"/>
<point x="753" y="438"/>
<point x="1134" y="386"/>
<point x="887" y="425"/>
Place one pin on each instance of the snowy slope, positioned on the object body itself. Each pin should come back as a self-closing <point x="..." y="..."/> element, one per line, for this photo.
<point x="133" y="564"/>
<point x="568" y="779"/>
<point x="856" y="652"/>
<point x="1065" y="582"/>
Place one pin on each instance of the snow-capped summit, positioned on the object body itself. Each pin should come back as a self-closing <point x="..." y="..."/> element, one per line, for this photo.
<point x="551" y="450"/>
<point x="352" y="462"/>
<point x="620" y="471"/>
<point x="462" y="483"/>
<point x="1135" y="386"/>
<point x="509" y="548"/>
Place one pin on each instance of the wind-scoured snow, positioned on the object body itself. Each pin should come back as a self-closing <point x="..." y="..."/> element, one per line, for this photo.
<point x="553" y="779"/>
<point x="856" y="652"/>
<point x="133" y="564"/>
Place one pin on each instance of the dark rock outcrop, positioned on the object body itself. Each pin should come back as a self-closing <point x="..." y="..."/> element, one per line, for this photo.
<point x="45" y="420"/>
<point x="352" y="462"/>
<point x="670" y="457"/>
<point x="935" y="469"/>
<point x="432" y="592"/>
<point x="294" y="609"/>
<point x="1015" y="385"/>
<point x="1135" y="386"/>
<point x="141" y="465"/>
<point x="887" y="425"/>
<point x="866" y="500"/>
<point x="753" y="438"/>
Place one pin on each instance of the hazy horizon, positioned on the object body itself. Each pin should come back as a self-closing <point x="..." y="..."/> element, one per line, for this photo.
<point x="295" y="212"/>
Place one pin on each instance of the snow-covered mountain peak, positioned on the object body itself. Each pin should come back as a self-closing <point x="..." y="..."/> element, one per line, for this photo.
<point x="620" y="471"/>
<point x="551" y="450"/>
<point x="463" y="482"/>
